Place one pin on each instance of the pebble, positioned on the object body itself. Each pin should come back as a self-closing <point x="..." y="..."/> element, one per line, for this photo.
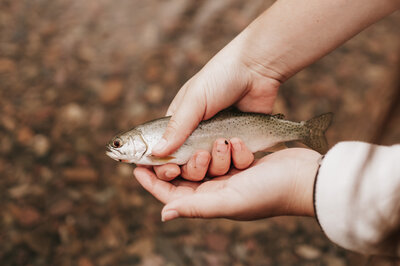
<point x="111" y="91"/>
<point x="61" y="207"/>
<point x="25" y="216"/>
<point x="72" y="114"/>
<point x="84" y="261"/>
<point x="80" y="175"/>
<point x="25" y="135"/>
<point x="40" y="145"/>
<point x="217" y="242"/>
<point x="307" y="252"/>
<point x="7" y="65"/>
<point x="154" y="94"/>
<point x="333" y="261"/>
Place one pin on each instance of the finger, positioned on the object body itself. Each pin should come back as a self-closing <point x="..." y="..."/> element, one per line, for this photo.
<point x="203" y="205"/>
<point x="221" y="158"/>
<point x="160" y="189"/>
<point x="167" y="172"/>
<point x="196" y="168"/>
<point x="176" y="102"/>
<point x="242" y="157"/>
<point x="181" y="125"/>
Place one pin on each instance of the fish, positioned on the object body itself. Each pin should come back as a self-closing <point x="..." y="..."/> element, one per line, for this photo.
<point x="258" y="132"/>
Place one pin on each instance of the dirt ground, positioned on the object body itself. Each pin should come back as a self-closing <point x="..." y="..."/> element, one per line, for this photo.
<point x="74" y="73"/>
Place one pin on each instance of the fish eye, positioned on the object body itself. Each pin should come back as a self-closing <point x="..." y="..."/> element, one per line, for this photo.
<point x="116" y="143"/>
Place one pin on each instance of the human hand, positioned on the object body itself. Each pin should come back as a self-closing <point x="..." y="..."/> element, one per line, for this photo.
<point x="278" y="184"/>
<point x="203" y="163"/>
<point x="231" y="77"/>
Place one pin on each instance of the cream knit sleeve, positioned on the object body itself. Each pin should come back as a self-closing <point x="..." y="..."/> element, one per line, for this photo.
<point x="357" y="200"/>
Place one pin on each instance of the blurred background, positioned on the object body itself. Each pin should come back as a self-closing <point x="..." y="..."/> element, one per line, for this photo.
<point x="74" y="73"/>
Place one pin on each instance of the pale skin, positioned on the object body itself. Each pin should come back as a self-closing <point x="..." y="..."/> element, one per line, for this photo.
<point x="247" y="73"/>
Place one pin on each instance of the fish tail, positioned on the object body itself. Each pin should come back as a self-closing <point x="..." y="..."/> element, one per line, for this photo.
<point x="315" y="136"/>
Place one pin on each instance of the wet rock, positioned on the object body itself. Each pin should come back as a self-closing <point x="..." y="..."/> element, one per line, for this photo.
<point x="40" y="145"/>
<point x="307" y="252"/>
<point x="80" y="175"/>
<point x="111" y="91"/>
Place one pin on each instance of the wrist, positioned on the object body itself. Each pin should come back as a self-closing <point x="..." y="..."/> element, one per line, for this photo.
<point x="301" y="198"/>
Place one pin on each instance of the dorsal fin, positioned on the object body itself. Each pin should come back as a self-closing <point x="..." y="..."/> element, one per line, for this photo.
<point x="279" y="116"/>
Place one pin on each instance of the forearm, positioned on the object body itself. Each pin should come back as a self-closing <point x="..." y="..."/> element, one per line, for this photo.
<point x="293" y="34"/>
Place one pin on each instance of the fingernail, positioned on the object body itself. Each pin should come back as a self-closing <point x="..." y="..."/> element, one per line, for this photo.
<point x="236" y="145"/>
<point x="201" y="160"/>
<point x="160" y="145"/>
<point x="169" y="215"/>
<point x="222" y="146"/>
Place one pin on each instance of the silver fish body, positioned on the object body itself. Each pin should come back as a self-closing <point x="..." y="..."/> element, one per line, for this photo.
<point x="257" y="131"/>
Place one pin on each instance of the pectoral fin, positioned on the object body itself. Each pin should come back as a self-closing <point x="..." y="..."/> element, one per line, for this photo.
<point x="277" y="147"/>
<point x="161" y="159"/>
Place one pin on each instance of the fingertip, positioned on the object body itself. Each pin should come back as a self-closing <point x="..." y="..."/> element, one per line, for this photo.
<point x="221" y="158"/>
<point x="169" y="215"/>
<point x="197" y="166"/>
<point x="167" y="172"/>
<point x="242" y="157"/>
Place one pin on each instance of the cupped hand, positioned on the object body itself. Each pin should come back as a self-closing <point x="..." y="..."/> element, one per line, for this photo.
<point x="203" y="163"/>
<point x="278" y="184"/>
<point x="231" y="77"/>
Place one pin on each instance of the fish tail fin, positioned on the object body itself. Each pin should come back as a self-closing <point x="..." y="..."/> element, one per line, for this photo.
<point x="315" y="136"/>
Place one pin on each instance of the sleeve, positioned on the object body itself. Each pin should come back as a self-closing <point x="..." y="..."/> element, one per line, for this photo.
<point x="357" y="197"/>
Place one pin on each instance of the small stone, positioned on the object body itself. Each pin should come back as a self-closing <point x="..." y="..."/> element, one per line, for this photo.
<point x="154" y="94"/>
<point x="307" y="252"/>
<point x="25" y="216"/>
<point x="333" y="261"/>
<point x="80" y="175"/>
<point x="111" y="91"/>
<point x="61" y="207"/>
<point x="6" y="65"/>
<point x="124" y="170"/>
<point x="83" y="261"/>
<point x="40" y="145"/>
<point x="73" y="114"/>
<point x="153" y="260"/>
<point x="217" y="242"/>
<point x="19" y="191"/>
<point x="142" y="247"/>
<point x="25" y="135"/>
<point x="8" y="122"/>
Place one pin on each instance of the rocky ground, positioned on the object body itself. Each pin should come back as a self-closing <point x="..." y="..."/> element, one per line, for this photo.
<point x="74" y="73"/>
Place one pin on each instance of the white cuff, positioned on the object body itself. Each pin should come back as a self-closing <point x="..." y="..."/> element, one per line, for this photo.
<point x="357" y="200"/>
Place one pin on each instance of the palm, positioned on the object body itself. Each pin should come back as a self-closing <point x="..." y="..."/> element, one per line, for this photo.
<point x="260" y="191"/>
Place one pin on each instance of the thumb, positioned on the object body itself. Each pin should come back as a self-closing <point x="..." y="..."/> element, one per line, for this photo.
<point x="182" y="123"/>
<point x="206" y="205"/>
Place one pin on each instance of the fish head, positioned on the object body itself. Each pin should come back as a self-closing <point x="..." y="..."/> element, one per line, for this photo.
<point x="128" y="147"/>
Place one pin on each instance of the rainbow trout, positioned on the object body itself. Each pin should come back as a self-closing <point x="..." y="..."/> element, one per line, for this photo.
<point x="258" y="131"/>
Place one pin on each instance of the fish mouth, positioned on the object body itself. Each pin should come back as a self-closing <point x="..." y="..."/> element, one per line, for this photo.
<point x="112" y="153"/>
